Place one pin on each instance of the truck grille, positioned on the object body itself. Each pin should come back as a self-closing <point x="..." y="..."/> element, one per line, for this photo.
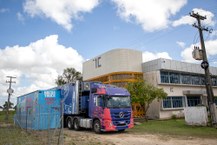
<point x="121" y="118"/>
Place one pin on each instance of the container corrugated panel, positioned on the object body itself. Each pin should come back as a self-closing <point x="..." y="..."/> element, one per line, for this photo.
<point x="39" y="110"/>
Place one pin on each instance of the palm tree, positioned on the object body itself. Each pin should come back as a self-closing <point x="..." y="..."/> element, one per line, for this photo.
<point x="69" y="75"/>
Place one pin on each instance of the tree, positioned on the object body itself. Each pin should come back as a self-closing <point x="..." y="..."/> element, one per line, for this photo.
<point x="144" y="93"/>
<point x="69" y="75"/>
<point x="15" y="107"/>
<point x="5" y="106"/>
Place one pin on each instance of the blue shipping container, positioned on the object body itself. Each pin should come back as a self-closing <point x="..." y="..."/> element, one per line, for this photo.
<point x="39" y="110"/>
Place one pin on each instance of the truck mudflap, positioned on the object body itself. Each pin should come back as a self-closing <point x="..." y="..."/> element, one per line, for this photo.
<point x="113" y="122"/>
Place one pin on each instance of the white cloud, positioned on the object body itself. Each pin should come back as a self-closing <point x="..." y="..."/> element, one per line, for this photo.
<point x="213" y="34"/>
<point x="211" y="50"/>
<point x="181" y="44"/>
<point x="150" y="14"/>
<point x="148" y="56"/>
<point x="209" y="21"/>
<point x="37" y="65"/>
<point x="60" y="11"/>
<point x="20" y="17"/>
<point x="4" y="10"/>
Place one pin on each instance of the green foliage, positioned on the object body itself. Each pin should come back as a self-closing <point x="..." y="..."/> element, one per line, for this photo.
<point x="174" y="117"/>
<point x="5" y="106"/>
<point x="69" y="75"/>
<point x="144" y="93"/>
<point x="2" y="116"/>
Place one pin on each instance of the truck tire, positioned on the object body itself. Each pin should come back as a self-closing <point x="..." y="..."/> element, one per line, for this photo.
<point x="97" y="126"/>
<point x="70" y="123"/>
<point x="76" y="124"/>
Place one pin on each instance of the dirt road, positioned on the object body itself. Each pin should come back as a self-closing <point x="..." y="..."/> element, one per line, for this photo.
<point x="127" y="138"/>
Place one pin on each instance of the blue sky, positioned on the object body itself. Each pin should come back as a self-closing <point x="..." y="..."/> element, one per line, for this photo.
<point x="39" y="38"/>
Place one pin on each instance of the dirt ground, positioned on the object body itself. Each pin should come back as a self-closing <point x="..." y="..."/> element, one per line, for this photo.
<point x="87" y="137"/>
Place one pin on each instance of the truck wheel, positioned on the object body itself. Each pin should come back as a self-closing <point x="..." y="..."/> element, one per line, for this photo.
<point x="70" y="123"/>
<point x="97" y="126"/>
<point x="76" y="125"/>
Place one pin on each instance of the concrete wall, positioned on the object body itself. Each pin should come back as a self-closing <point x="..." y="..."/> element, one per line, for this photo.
<point x="196" y="115"/>
<point x="168" y="113"/>
<point x="167" y="64"/>
<point x="117" y="60"/>
<point x="154" y="110"/>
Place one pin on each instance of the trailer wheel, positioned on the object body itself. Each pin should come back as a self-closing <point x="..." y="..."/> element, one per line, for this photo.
<point x="97" y="126"/>
<point x="76" y="125"/>
<point x="70" y="123"/>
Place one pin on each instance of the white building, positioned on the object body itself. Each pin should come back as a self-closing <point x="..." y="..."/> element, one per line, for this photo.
<point x="183" y="82"/>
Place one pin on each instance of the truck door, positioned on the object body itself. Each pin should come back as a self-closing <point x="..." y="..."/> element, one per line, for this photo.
<point x="99" y="104"/>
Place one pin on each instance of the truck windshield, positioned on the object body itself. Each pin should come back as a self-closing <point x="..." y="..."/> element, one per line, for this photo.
<point x="118" y="101"/>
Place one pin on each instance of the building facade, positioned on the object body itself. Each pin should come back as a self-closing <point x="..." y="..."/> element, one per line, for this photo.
<point x="116" y="67"/>
<point x="183" y="82"/>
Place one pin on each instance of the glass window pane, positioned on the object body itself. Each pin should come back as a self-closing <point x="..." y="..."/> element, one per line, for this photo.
<point x="177" y="102"/>
<point x="164" y="77"/>
<point x="186" y="79"/>
<point x="214" y="81"/>
<point x="193" y="100"/>
<point x="167" y="102"/>
<point x="174" y="102"/>
<point x="202" y="80"/>
<point x="174" y="78"/>
<point x="216" y="100"/>
<point x="195" y="80"/>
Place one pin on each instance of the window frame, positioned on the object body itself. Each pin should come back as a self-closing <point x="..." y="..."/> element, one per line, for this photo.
<point x="187" y="100"/>
<point x="215" y="100"/>
<point x="184" y="78"/>
<point x="171" y="99"/>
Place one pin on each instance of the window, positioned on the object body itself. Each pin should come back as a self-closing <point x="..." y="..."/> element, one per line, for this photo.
<point x="164" y="77"/>
<point x="177" y="102"/>
<point x="174" y="102"/>
<point x="185" y="79"/>
<point x="193" y="100"/>
<point x="195" y="80"/>
<point x="167" y="102"/>
<point x="214" y="81"/>
<point x="118" y="102"/>
<point x="99" y="101"/>
<point x="202" y="80"/>
<point x="215" y="100"/>
<point x="174" y="78"/>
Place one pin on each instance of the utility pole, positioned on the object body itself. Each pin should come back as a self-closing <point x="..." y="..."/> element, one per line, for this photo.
<point x="10" y="91"/>
<point x="205" y="66"/>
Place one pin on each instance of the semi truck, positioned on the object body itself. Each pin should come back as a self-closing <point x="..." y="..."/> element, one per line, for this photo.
<point x="93" y="105"/>
<point x="97" y="106"/>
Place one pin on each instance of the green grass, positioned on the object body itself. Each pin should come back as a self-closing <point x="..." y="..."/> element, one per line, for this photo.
<point x="3" y="114"/>
<point x="16" y="136"/>
<point x="10" y="134"/>
<point x="174" y="128"/>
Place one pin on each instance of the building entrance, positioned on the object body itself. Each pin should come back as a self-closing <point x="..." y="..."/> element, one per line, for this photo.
<point x="193" y="100"/>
